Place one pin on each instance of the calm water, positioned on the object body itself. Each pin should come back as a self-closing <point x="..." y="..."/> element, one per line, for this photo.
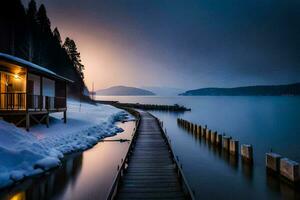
<point x="86" y="175"/>
<point x="266" y="122"/>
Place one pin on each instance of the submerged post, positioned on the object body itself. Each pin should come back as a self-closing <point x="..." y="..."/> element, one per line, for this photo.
<point x="273" y="161"/>
<point x="225" y="141"/>
<point x="208" y="132"/>
<point x="234" y="147"/>
<point x="213" y="138"/>
<point x="219" y="140"/>
<point x="289" y="169"/>
<point x="247" y="152"/>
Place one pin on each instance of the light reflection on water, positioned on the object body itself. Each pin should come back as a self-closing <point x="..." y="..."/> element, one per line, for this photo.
<point x="86" y="175"/>
<point x="264" y="122"/>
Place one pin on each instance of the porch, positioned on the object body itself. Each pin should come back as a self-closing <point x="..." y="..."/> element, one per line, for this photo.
<point x="20" y="101"/>
<point x="30" y="92"/>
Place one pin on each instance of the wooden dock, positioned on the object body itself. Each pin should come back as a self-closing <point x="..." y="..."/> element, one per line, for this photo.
<point x="152" y="172"/>
<point x="158" y="107"/>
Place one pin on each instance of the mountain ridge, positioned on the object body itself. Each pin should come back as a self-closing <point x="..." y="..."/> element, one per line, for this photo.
<point x="121" y="90"/>
<point x="257" y="90"/>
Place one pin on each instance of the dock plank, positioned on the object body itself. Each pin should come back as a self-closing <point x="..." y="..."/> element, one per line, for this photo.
<point x="151" y="172"/>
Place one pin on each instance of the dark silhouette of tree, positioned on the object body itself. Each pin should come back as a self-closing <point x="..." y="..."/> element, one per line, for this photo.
<point x="74" y="55"/>
<point x="31" y="20"/>
<point x="26" y="33"/>
<point x="56" y="36"/>
<point x="43" y="20"/>
<point x="13" y="21"/>
<point x="31" y="11"/>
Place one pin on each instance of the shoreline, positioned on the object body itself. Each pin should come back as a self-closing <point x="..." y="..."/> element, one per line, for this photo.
<point x="63" y="160"/>
<point x="58" y="142"/>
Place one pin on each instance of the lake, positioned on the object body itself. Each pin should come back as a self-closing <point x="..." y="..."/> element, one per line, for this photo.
<point x="86" y="175"/>
<point x="265" y="122"/>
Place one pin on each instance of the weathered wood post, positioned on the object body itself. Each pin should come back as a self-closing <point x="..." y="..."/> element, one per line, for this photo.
<point x="273" y="161"/>
<point x="208" y="132"/>
<point x="213" y="137"/>
<point x="225" y="141"/>
<point x="289" y="169"/>
<point x="219" y="140"/>
<point x="247" y="152"/>
<point x="203" y="134"/>
<point x="195" y="128"/>
<point x="27" y="121"/>
<point x="47" y="119"/>
<point x="199" y="130"/>
<point x="189" y="126"/>
<point x="65" y="117"/>
<point x="233" y="147"/>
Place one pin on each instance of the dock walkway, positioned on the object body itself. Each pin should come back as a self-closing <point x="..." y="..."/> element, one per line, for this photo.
<point x="151" y="172"/>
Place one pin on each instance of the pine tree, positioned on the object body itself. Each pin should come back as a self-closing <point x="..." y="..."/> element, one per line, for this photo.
<point x="31" y="17"/>
<point x="43" y="20"/>
<point x="57" y="36"/>
<point x="32" y="11"/>
<point x="74" y="55"/>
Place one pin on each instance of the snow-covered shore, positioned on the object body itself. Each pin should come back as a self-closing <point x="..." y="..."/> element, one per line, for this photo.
<point x="24" y="154"/>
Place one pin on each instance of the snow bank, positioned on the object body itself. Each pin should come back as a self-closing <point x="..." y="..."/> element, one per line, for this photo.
<point x="24" y="154"/>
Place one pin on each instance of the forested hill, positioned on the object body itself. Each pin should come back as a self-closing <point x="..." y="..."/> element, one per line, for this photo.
<point x="275" y="90"/>
<point x="26" y="33"/>
<point x="124" y="91"/>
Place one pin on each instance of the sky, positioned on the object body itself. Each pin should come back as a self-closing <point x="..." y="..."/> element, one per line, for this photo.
<point x="185" y="44"/>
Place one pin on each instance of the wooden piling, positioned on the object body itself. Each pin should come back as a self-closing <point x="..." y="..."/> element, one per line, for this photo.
<point x="27" y="121"/>
<point x="289" y="169"/>
<point x="247" y="152"/>
<point x="203" y="133"/>
<point x="219" y="140"/>
<point x="213" y="137"/>
<point x="195" y="128"/>
<point x="273" y="161"/>
<point x="233" y="147"/>
<point x="208" y="132"/>
<point x="199" y="130"/>
<point x="225" y="141"/>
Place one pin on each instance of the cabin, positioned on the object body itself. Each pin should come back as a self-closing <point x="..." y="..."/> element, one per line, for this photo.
<point x="30" y="92"/>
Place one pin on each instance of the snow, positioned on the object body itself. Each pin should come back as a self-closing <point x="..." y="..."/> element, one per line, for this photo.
<point x="24" y="154"/>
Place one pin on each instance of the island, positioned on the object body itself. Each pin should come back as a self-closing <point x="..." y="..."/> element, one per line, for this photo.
<point x="124" y="91"/>
<point x="259" y="90"/>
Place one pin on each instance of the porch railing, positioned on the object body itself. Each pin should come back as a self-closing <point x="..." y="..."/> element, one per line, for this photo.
<point x="13" y="101"/>
<point x="17" y="101"/>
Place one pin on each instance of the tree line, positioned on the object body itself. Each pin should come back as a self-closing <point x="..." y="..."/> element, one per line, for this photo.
<point x="25" y="32"/>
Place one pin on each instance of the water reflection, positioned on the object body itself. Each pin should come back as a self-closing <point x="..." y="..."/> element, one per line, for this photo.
<point x="278" y="184"/>
<point x="86" y="175"/>
<point x="49" y="185"/>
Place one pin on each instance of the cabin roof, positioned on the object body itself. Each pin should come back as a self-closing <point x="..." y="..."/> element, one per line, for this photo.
<point x="32" y="66"/>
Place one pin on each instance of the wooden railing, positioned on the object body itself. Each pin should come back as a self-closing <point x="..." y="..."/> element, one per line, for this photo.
<point x="13" y="101"/>
<point x="184" y="183"/>
<point x="55" y="103"/>
<point x="22" y="101"/>
<point x="121" y="169"/>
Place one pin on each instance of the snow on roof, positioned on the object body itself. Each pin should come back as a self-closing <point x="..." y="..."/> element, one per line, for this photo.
<point x="28" y="64"/>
